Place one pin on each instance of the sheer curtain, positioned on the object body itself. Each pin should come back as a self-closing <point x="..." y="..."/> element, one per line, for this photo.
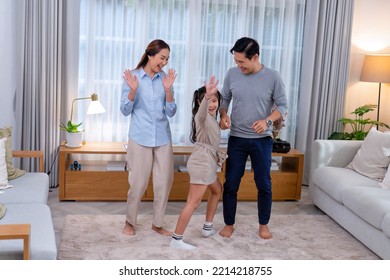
<point x="114" y="33"/>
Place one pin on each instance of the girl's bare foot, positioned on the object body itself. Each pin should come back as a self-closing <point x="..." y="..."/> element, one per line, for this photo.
<point x="128" y="229"/>
<point x="161" y="230"/>
<point x="264" y="232"/>
<point x="227" y="231"/>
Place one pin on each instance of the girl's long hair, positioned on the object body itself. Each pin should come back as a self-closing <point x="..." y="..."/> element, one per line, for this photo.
<point x="152" y="49"/>
<point x="198" y="97"/>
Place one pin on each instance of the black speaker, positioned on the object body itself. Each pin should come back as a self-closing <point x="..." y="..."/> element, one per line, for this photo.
<point x="281" y="146"/>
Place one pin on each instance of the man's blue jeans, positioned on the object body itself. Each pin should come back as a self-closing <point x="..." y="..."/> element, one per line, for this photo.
<point x="260" y="152"/>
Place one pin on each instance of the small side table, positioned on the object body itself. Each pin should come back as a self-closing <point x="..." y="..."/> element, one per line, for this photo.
<point x="17" y="231"/>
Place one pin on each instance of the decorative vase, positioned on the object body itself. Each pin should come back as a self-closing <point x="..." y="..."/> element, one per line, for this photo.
<point x="74" y="139"/>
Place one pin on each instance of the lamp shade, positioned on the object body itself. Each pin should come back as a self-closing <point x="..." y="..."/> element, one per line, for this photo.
<point x="95" y="107"/>
<point x="376" y="68"/>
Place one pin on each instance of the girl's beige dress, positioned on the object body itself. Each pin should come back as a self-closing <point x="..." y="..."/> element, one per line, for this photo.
<point x="204" y="160"/>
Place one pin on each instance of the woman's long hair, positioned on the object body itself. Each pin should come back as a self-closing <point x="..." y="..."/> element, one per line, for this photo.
<point x="198" y="97"/>
<point x="152" y="49"/>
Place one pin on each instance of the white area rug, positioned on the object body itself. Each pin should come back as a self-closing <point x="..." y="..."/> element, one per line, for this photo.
<point x="295" y="237"/>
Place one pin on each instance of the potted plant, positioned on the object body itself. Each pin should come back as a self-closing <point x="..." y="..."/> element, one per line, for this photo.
<point x="278" y="124"/>
<point x="360" y="126"/>
<point x="74" y="135"/>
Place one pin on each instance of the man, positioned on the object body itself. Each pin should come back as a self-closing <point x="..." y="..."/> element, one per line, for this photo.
<point x="253" y="89"/>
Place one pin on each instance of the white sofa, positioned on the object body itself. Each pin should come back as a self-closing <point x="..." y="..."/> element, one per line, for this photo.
<point x="359" y="204"/>
<point x="26" y="203"/>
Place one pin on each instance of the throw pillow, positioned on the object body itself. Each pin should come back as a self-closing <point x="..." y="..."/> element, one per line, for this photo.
<point x="12" y="171"/>
<point x="3" y="164"/>
<point x="373" y="157"/>
<point x="3" y="209"/>
<point x="385" y="184"/>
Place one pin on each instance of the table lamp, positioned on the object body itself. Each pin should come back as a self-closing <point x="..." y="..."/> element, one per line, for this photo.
<point x="95" y="107"/>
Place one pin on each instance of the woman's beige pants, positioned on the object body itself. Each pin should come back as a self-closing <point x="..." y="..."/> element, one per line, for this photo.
<point x="141" y="161"/>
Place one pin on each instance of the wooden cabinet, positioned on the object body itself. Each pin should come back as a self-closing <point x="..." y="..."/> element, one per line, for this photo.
<point x="286" y="180"/>
<point x="94" y="183"/>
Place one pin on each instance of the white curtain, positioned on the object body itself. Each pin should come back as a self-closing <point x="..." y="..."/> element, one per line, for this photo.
<point x="114" y="34"/>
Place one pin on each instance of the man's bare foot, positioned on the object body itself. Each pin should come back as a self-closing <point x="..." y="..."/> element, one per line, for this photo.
<point x="128" y="229"/>
<point x="264" y="232"/>
<point x="161" y="230"/>
<point x="227" y="231"/>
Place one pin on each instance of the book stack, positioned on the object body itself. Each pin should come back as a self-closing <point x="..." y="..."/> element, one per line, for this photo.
<point x="248" y="165"/>
<point x="275" y="165"/>
<point x="116" y="165"/>
<point x="182" y="168"/>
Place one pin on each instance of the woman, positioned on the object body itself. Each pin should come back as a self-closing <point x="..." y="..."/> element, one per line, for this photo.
<point x="147" y="95"/>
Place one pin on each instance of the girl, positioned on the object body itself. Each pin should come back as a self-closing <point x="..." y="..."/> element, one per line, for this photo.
<point x="202" y="164"/>
<point x="147" y="95"/>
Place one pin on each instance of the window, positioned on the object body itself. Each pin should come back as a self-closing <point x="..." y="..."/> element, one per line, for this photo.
<point x="114" y="33"/>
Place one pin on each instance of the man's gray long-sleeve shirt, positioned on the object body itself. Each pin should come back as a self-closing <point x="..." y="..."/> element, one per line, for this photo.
<point x="253" y="97"/>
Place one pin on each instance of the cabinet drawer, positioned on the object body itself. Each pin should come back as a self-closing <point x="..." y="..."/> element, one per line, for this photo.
<point x="284" y="186"/>
<point x="96" y="185"/>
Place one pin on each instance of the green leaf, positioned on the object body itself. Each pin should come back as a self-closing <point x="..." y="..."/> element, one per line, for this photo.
<point x="338" y="136"/>
<point x="360" y="111"/>
<point x="359" y="135"/>
<point x="359" y="125"/>
<point x="70" y="127"/>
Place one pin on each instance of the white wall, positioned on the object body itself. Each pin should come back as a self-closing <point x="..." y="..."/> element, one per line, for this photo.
<point x="370" y="34"/>
<point x="7" y="65"/>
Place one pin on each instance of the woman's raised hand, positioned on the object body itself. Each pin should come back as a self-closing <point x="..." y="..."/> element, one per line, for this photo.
<point x="132" y="82"/>
<point x="169" y="79"/>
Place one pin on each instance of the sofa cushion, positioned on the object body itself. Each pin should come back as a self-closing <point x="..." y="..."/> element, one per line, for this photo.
<point x="386" y="181"/>
<point x="42" y="238"/>
<point x="3" y="209"/>
<point x="334" y="180"/>
<point x="30" y="188"/>
<point x="373" y="157"/>
<point x="369" y="204"/>
<point x="12" y="171"/>
<point x="3" y="165"/>
<point x="386" y="225"/>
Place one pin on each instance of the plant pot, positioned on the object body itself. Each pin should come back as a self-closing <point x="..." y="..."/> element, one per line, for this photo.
<point x="275" y="134"/>
<point x="74" y="139"/>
